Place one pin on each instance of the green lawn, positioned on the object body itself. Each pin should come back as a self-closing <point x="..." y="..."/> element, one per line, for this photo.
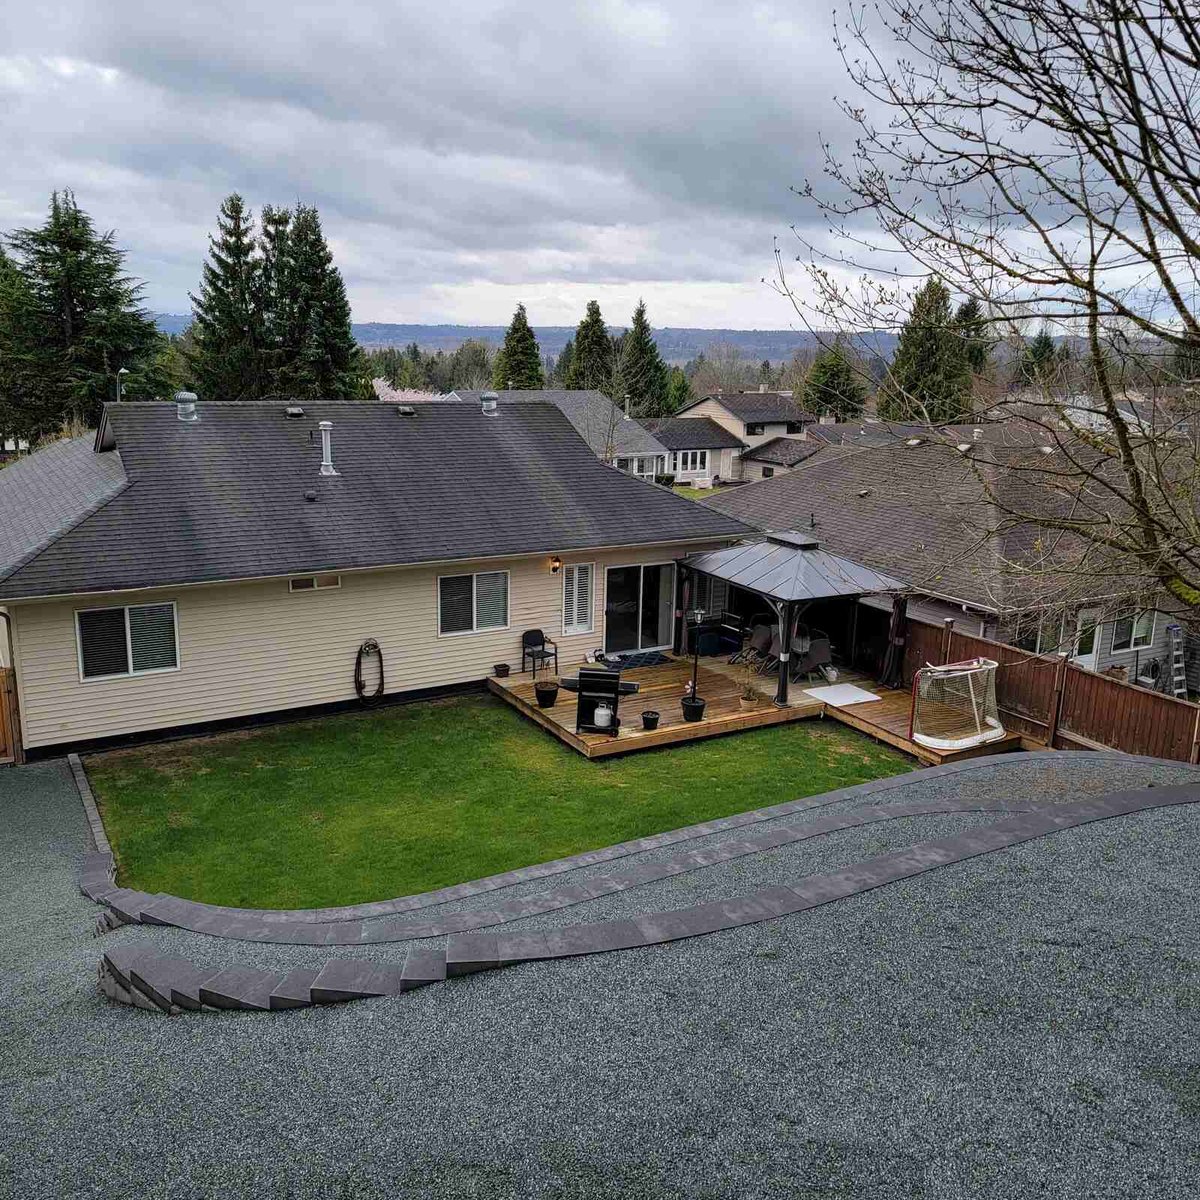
<point x="372" y="805"/>
<point x="693" y="493"/>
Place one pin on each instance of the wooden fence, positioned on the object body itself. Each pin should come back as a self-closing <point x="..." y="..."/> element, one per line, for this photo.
<point x="1049" y="700"/>
<point x="10" y="745"/>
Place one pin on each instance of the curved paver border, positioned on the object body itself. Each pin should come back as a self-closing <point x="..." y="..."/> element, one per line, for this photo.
<point x="171" y="984"/>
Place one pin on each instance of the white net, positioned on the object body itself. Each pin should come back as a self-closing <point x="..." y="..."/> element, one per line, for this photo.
<point x="954" y="706"/>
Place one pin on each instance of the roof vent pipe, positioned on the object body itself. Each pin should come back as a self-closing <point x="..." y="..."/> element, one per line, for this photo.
<point x="488" y="403"/>
<point x="185" y="406"/>
<point x="326" y="428"/>
<point x="627" y="406"/>
<point x="977" y="434"/>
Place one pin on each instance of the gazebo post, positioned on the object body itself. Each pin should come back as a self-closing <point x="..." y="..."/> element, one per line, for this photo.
<point x="785" y="647"/>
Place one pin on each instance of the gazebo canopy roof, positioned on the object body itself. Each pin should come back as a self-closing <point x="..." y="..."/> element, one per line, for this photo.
<point x="791" y="566"/>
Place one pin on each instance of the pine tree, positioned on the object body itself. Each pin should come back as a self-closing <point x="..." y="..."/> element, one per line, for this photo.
<point x="319" y="358"/>
<point x="592" y="358"/>
<point x="1037" y="365"/>
<point x="27" y="405"/>
<point x="679" y="391"/>
<point x="81" y="317"/>
<point x="273" y="300"/>
<point x="928" y="380"/>
<point x="519" y="363"/>
<point x="562" y="365"/>
<point x="833" y="385"/>
<point x="227" y="356"/>
<point x="972" y="328"/>
<point x="643" y="372"/>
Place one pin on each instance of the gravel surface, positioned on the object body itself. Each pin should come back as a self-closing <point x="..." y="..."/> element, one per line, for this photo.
<point x="1023" y="1024"/>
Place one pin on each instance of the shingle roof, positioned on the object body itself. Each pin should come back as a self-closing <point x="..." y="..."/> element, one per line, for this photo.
<point x="46" y="494"/>
<point x="919" y="513"/>
<point x="596" y="418"/>
<point x="783" y="451"/>
<point x="692" y="433"/>
<point x="224" y="497"/>
<point x="758" y="406"/>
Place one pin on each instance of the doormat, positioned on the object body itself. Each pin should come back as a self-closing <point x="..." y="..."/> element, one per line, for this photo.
<point x="648" y="658"/>
<point x="841" y="695"/>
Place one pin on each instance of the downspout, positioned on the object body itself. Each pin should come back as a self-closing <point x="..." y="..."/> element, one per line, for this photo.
<point x="18" y="751"/>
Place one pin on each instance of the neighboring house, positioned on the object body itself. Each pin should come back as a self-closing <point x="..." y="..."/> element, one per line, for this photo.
<point x="614" y="437"/>
<point x="915" y="509"/>
<point x="12" y="447"/>
<point x="754" y="418"/>
<point x="174" y="572"/>
<point x="776" y="457"/>
<point x="701" y="453"/>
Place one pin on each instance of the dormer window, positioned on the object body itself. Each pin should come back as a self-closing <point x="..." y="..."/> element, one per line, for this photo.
<point x="755" y="428"/>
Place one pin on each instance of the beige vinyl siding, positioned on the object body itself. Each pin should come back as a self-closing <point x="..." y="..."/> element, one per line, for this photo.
<point x="716" y="410"/>
<point x="254" y="647"/>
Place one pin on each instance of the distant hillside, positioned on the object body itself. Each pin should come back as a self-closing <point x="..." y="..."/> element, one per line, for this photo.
<point x="675" y="345"/>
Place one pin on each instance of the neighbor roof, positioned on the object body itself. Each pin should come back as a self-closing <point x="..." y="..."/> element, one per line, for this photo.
<point x="757" y="406"/>
<point x="225" y="497"/>
<point x="791" y="566"/>
<point x="596" y="419"/>
<point x="692" y="433"/>
<point x="783" y="451"/>
<point x="46" y="494"/>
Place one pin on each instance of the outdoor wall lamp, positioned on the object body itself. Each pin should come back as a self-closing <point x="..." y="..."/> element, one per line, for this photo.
<point x="555" y="565"/>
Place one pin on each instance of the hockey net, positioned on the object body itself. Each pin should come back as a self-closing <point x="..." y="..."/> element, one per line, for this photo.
<point x="954" y="705"/>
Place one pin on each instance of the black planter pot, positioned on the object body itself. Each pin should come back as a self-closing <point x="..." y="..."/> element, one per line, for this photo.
<point x="693" y="707"/>
<point x="546" y="693"/>
<point x="501" y="670"/>
<point x="649" y="719"/>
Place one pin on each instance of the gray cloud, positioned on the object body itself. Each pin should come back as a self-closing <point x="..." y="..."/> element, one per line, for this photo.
<point x="464" y="155"/>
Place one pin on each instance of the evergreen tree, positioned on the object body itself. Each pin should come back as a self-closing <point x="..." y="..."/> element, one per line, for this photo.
<point x="227" y="357"/>
<point x="972" y="328"/>
<point x="833" y="385"/>
<point x="679" y="391"/>
<point x="318" y="352"/>
<point x="592" y="356"/>
<point x="928" y="378"/>
<point x="519" y="363"/>
<point x="272" y="299"/>
<point x="562" y="365"/>
<point x="1037" y="365"/>
<point x="81" y="317"/>
<point x="643" y="372"/>
<point x="28" y="408"/>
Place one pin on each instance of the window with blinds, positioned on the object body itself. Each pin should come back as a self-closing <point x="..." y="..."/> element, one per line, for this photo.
<point x="577" y="598"/>
<point x="126" y="641"/>
<point x="471" y="603"/>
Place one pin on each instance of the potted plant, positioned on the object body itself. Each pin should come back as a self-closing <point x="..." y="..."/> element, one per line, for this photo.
<point x="649" y="719"/>
<point x="501" y="670"/>
<point x="692" y="705"/>
<point x="546" y="691"/>
<point x="749" y="697"/>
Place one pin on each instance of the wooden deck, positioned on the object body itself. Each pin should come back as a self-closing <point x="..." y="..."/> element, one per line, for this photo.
<point x="886" y="720"/>
<point x="662" y="689"/>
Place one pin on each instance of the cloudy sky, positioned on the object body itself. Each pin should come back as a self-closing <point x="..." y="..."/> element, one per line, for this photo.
<point x="464" y="156"/>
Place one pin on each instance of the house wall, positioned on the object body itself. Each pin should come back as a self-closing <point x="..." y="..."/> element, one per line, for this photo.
<point x="753" y="471"/>
<point x="1132" y="660"/>
<point x="737" y="469"/>
<point x="255" y="647"/>
<point x="721" y="465"/>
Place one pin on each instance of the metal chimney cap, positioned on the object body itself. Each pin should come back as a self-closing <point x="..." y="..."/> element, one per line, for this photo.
<point x="488" y="402"/>
<point x="324" y="424"/>
<point x="185" y="406"/>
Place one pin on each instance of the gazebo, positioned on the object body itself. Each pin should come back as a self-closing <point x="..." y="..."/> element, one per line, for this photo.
<point x="789" y="571"/>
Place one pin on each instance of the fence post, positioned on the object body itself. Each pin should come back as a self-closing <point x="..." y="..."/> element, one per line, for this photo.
<point x="1060" y="672"/>
<point x="947" y="633"/>
<point x="1194" y="757"/>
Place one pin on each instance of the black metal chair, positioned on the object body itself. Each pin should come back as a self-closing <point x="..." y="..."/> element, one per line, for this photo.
<point x="819" y="654"/>
<point x="538" y="649"/>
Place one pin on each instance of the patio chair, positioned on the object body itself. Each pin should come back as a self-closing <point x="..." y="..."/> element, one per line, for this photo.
<point x="756" y="647"/>
<point x="819" y="654"/>
<point x="770" y="660"/>
<point x="537" y="649"/>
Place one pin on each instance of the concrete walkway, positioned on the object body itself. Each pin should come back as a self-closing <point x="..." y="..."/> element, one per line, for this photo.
<point x="1018" y="1024"/>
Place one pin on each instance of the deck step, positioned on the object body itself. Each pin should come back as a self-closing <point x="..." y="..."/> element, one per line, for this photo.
<point x="241" y="987"/>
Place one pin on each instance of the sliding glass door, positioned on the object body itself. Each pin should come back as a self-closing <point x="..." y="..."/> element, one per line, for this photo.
<point x="639" y="607"/>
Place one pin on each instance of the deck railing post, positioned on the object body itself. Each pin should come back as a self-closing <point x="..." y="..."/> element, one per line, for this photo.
<point x="947" y="634"/>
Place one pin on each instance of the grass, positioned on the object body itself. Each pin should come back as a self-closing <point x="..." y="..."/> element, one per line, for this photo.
<point x="372" y="805"/>
<point x="693" y="493"/>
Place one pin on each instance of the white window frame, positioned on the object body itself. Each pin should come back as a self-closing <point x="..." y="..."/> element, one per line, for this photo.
<point x="437" y="600"/>
<point x="689" y="462"/>
<point x="1134" y="644"/>
<point x="317" y="585"/>
<point x="573" y="630"/>
<point x="129" y="673"/>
